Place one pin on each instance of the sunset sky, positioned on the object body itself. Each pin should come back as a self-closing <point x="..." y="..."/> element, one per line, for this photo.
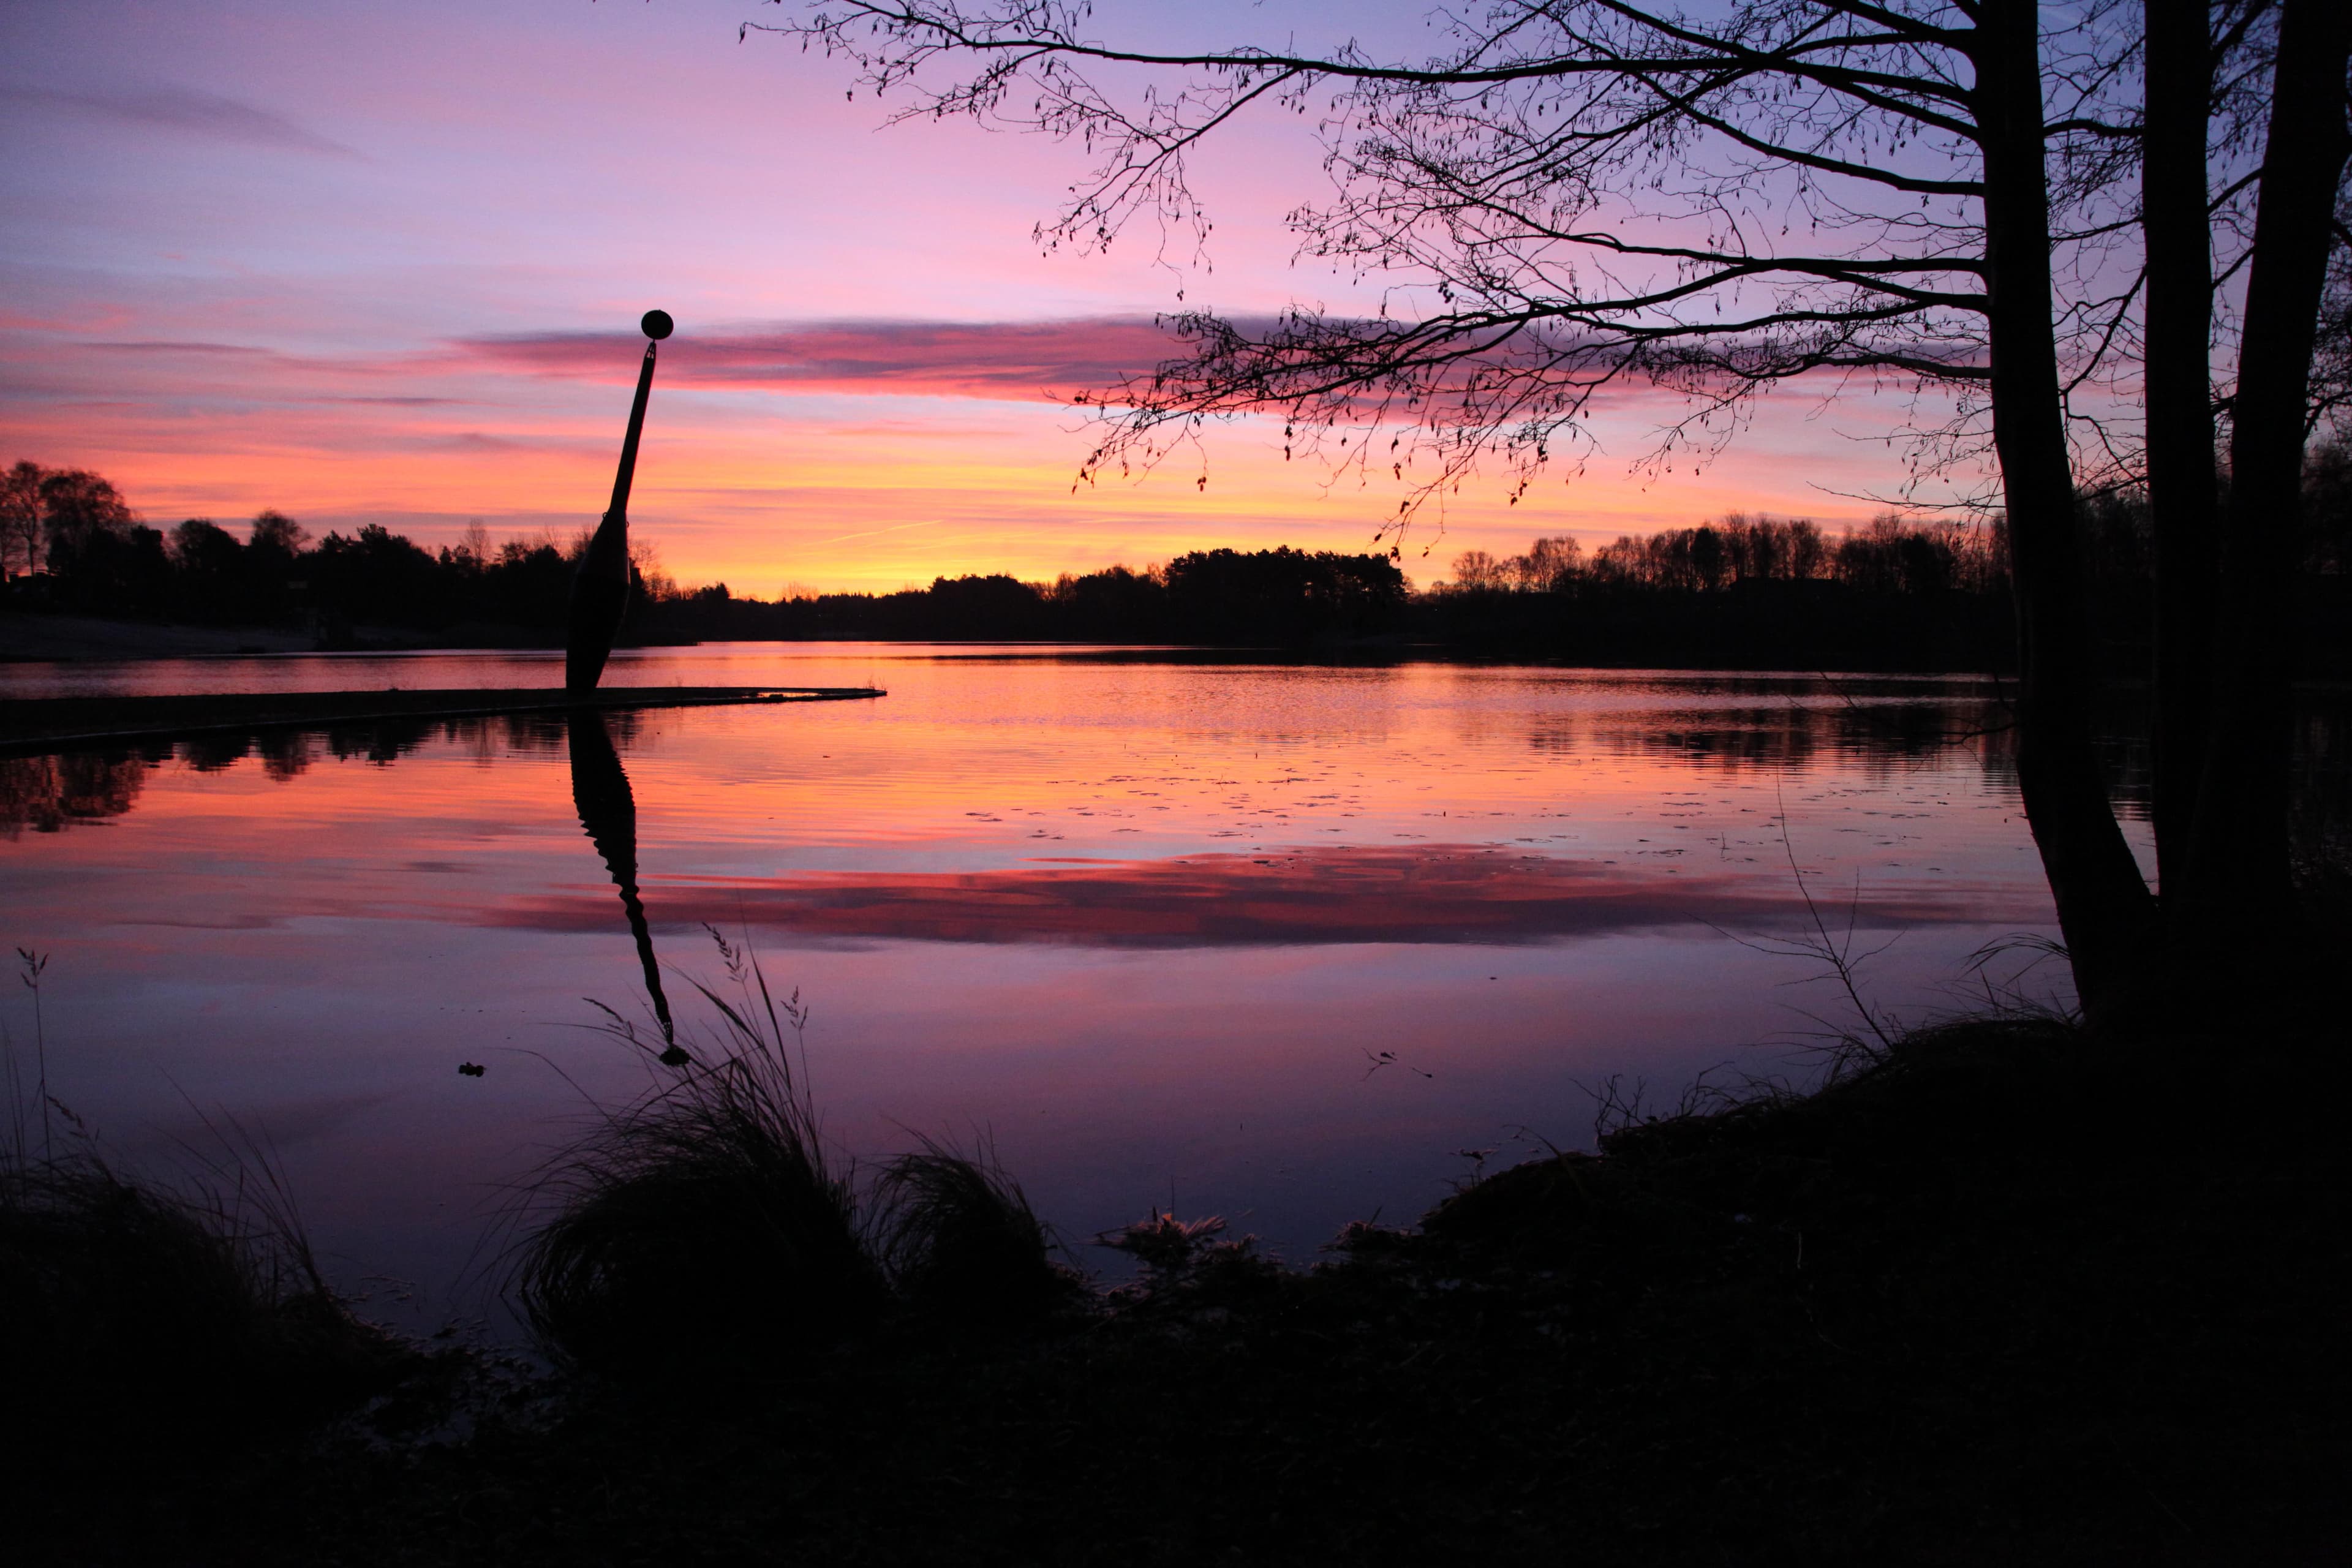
<point x="379" y="262"/>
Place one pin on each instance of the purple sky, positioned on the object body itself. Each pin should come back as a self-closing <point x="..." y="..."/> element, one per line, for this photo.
<point x="378" y="262"/>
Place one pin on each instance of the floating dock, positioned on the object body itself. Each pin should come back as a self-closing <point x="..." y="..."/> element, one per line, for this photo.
<point x="41" y="724"/>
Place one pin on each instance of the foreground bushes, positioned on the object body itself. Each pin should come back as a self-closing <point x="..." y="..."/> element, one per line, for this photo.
<point x="1998" y="1292"/>
<point x="138" y="1318"/>
<point x="704" y="1227"/>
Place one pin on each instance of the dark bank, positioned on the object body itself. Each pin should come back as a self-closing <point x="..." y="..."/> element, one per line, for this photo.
<point x="1998" y="1290"/>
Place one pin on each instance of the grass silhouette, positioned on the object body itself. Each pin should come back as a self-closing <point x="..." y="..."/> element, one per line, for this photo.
<point x="705" y="1224"/>
<point x="141" y="1317"/>
<point x="963" y="1249"/>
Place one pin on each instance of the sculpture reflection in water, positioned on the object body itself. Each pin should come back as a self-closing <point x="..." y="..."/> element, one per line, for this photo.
<point x="600" y="793"/>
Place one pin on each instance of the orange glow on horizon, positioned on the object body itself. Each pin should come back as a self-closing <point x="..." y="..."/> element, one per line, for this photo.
<point x="855" y="498"/>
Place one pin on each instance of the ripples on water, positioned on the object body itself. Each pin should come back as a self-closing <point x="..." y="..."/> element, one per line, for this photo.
<point x="1292" y="943"/>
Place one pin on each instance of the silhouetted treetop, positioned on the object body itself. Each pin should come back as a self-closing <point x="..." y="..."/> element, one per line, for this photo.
<point x="2038" y="220"/>
<point x="1567" y="196"/>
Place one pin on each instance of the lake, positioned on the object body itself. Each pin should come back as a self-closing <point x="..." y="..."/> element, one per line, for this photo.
<point x="1288" y="942"/>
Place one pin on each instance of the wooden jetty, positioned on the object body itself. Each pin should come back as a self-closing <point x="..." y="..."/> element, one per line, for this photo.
<point x="41" y="724"/>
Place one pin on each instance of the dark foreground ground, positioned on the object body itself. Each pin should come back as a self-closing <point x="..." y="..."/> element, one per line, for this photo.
<point x="2008" y="1295"/>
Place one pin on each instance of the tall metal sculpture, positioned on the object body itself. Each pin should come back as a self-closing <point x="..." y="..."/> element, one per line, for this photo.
<point x="599" y="592"/>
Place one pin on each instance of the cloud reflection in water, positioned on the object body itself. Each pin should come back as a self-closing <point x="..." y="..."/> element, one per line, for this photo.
<point x="1334" y="893"/>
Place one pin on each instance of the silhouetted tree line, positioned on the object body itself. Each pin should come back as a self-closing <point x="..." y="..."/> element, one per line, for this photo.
<point x="1751" y="591"/>
<point x="1743" y="592"/>
<point x="68" y="541"/>
<point x="1211" y="597"/>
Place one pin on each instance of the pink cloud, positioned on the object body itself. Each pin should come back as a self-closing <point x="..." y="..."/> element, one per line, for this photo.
<point x="181" y="111"/>
<point x="1020" y="360"/>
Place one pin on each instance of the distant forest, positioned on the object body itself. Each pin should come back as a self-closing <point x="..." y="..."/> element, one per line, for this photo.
<point x="1748" y="592"/>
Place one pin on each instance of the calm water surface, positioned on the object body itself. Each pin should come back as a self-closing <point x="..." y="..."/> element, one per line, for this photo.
<point x="1290" y="944"/>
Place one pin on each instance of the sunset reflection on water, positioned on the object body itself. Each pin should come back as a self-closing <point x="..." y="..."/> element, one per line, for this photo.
<point x="1273" y="941"/>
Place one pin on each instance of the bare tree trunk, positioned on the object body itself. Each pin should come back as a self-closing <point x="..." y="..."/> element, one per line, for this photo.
<point x="2180" y="469"/>
<point x="2104" y="908"/>
<point x="2239" y="868"/>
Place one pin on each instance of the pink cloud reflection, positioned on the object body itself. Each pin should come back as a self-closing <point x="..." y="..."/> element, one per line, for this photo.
<point x="1430" y="894"/>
